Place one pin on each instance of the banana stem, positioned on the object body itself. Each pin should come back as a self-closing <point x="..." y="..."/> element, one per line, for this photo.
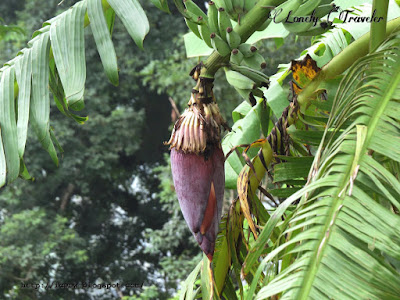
<point x="245" y="28"/>
<point x="378" y="28"/>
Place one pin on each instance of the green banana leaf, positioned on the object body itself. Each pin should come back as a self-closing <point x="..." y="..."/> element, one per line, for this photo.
<point x="55" y="58"/>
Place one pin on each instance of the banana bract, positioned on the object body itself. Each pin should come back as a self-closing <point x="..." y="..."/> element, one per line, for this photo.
<point x="197" y="163"/>
<point x="199" y="183"/>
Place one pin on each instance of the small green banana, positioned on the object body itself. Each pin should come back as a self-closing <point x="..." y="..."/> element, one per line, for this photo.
<point x="205" y="34"/>
<point x="301" y="28"/>
<point x="212" y="17"/>
<point x="306" y="8"/>
<point x="258" y="77"/>
<point x="247" y="49"/>
<point x="283" y="10"/>
<point x="264" y="25"/>
<point x="193" y="27"/>
<point x="193" y="9"/>
<point x="238" y="6"/>
<point x="323" y="2"/>
<point x="293" y="23"/>
<point x="244" y="93"/>
<point x="223" y="22"/>
<point x="298" y="26"/>
<point x="323" y="10"/>
<point x="317" y="30"/>
<point x="194" y="18"/>
<point x="255" y="61"/>
<point x="238" y="80"/>
<point x="219" y="45"/>
<point x="181" y="8"/>
<point x="306" y="26"/>
<point x="219" y="3"/>
<point x="233" y="38"/>
<point x="229" y="9"/>
<point x="236" y="57"/>
<point x="226" y="4"/>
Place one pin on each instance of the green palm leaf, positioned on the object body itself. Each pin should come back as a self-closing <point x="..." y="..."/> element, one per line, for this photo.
<point x="67" y="42"/>
<point x="23" y="74"/>
<point x="133" y="18"/>
<point x="55" y="58"/>
<point x="346" y="228"/>
<point x="40" y="105"/>
<point x="8" y="126"/>
<point x="103" y="40"/>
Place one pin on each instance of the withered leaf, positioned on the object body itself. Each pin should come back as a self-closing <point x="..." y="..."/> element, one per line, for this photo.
<point x="303" y="71"/>
<point x="243" y="186"/>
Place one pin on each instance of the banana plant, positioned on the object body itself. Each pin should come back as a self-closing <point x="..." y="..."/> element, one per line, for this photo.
<point x="317" y="178"/>
<point x="328" y="175"/>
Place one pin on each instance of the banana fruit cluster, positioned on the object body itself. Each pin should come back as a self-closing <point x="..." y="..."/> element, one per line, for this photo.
<point x="215" y="28"/>
<point x="301" y="17"/>
<point x="244" y="72"/>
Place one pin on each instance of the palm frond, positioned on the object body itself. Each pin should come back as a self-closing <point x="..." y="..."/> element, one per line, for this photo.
<point x="55" y="57"/>
<point x="346" y="228"/>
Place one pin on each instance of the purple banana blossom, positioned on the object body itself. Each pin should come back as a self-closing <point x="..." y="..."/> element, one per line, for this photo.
<point x="199" y="183"/>
<point x="198" y="165"/>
